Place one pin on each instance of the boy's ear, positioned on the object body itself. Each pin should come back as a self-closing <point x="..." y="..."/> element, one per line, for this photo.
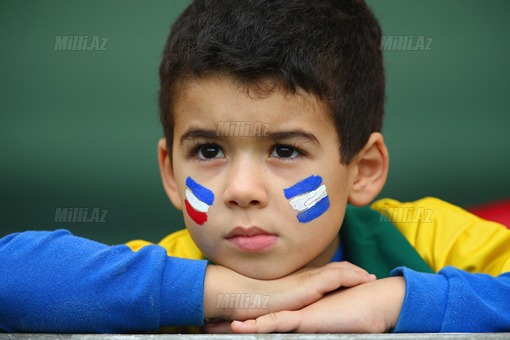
<point x="371" y="170"/>
<point x="167" y="174"/>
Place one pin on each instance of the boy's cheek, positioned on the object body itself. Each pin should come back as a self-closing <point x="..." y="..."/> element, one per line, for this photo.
<point x="198" y="200"/>
<point x="308" y="198"/>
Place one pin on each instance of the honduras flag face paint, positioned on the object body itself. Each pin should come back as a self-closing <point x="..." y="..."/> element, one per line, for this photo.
<point x="308" y="197"/>
<point x="198" y="200"/>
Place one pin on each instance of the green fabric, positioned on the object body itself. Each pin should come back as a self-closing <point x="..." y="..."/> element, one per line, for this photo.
<point x="376" y="245"/>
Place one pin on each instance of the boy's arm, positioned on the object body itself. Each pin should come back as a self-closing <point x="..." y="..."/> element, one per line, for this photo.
<point x="450" y="301"/>
<point x="57" y="282"/>
<point x="454" y="301"/>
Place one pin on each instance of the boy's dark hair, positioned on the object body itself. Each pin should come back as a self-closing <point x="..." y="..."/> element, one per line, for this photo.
<point x="329" y="48"/>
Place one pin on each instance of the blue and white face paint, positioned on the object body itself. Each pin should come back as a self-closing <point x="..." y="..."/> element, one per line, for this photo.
<point x="308" y="197"/>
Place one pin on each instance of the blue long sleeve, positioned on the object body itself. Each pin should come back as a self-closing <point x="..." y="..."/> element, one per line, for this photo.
<point x="57" y="282"/>
<point x="454" y="301"/>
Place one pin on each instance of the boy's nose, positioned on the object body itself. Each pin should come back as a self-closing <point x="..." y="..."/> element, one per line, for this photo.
<point x="246" y="186"/>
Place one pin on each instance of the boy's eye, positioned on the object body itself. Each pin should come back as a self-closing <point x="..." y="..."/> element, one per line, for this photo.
<point x="285" y="151"/>
<point x="209" y="152"/>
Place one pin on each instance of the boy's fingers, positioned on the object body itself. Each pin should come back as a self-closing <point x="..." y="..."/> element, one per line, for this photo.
<point x="218" y="327"/>
<point x="280" y="322"/>
<point x="328" y="280"/>
<point x="352" y="266"/>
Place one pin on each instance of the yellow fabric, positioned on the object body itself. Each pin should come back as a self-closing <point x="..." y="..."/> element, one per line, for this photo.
<point x="446" y="235"/>
<point x="177" y="244"/>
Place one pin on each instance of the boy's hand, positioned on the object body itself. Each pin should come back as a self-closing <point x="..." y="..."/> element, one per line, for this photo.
<point x="373" y="307"/>
<point x="291" y="292"/>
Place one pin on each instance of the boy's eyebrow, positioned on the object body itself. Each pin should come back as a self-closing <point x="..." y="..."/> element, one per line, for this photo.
<point x="293" y="134"/>
<point x="194" y="133"/>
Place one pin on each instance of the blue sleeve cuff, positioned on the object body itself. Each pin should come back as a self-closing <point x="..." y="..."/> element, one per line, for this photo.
<point x="425" y="300"/>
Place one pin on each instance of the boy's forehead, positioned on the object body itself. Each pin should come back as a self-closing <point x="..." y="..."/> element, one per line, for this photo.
<point x="221" y="94"/>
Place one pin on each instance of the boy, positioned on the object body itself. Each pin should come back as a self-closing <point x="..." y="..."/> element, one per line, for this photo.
<point x="272" y="114"/>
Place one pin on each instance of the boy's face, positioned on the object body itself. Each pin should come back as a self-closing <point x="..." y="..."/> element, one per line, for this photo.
<point x="234" y="153"/>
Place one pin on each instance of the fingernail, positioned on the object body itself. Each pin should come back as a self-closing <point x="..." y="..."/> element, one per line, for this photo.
<point x="373" y="276"/>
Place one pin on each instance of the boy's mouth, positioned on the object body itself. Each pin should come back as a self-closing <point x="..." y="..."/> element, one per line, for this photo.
<point x="252" y="239"/>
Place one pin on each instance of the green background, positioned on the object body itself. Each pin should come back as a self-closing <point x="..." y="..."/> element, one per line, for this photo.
<point x="79" y="128"/>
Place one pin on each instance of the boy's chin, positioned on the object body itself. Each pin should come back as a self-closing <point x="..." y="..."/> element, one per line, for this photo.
<point x="262" y="271"/>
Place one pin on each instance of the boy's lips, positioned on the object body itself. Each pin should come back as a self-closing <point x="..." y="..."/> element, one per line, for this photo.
<point x="251" y="239"/>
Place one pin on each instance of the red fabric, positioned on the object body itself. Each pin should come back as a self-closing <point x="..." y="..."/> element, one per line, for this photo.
<point x="498" y="211"/>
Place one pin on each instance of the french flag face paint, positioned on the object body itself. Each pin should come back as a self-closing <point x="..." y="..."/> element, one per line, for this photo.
<point x="198" y="200"/>
<point x="309" y="197"/>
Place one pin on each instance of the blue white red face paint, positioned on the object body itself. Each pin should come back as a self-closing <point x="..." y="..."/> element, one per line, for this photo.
<point x="309" y="197"/>
<point x="198" y="200"/>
